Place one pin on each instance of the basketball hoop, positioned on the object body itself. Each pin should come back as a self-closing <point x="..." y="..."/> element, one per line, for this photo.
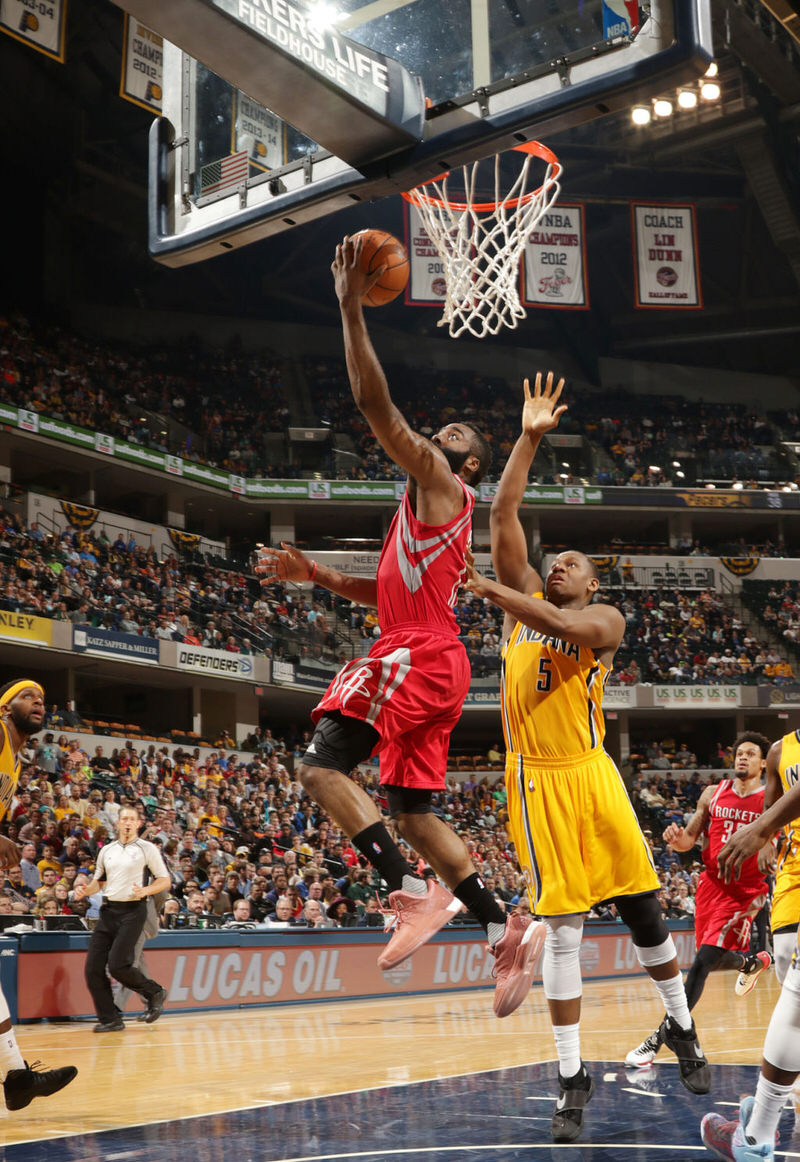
<point x="480" y="243"/>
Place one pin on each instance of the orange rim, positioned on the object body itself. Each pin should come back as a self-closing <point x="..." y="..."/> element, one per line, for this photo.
<point x="419" y="196"/>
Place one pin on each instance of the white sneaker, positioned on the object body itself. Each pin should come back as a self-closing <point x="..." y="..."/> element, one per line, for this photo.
<point x="645" y="1054"/>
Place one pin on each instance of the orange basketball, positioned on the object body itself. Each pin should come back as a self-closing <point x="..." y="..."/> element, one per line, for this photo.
<point x="381" y="249"/>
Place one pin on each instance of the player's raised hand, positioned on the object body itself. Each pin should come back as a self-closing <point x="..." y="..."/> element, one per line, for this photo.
<point x="350" y="277"/>
<point x="542" y="411"/>
<point x="284" y="564"/>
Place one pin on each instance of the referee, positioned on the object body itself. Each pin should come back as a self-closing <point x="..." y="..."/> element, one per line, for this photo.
<point x="120" y="872"/>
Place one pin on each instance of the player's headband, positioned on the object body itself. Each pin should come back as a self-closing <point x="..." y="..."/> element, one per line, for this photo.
<point x="17" y="688"/>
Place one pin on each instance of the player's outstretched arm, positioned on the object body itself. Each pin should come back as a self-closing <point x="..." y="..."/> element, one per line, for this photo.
<point x="600" y="627"/>
<point x="290" y="564"/>
<point x="684" y="838"/>
<point x="540" y="413"/>
<point x="407" y="448"/>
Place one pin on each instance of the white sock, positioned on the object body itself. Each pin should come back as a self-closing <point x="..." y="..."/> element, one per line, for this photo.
<point x="10" y="1056"/>
<point x="770" y="1100"/>
<point x="568" y="1049"/>
<point x="673" y="994"/>
<point x="416" y="885"/>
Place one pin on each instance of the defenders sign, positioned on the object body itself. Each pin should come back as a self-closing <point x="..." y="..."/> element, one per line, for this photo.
<point x="215" y="662"/>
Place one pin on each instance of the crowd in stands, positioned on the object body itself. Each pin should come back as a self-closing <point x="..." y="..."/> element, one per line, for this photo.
<point x="86" y="578"/>
<point x="243" y="843"/>
<point x="219" y="406"/>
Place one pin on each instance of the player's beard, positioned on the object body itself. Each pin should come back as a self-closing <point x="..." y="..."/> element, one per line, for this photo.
<point x="455" y="459"/>
<point x="25" y="724"/>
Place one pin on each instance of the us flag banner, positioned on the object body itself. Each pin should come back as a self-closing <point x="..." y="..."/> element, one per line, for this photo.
<point x="220" y="175"/>
<point x="666" y="262"/>
<point x="38" y="23"/>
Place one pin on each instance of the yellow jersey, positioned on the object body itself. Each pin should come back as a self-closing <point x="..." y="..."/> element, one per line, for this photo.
<point x="9" y="771"/>
<point x="551" y="695"/>
<point x="789" y="771"/>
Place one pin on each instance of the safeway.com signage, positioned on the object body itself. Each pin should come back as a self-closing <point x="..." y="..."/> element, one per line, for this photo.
<point x="220" y="662"/>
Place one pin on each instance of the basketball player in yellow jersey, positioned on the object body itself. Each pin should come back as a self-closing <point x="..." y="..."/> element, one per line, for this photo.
<point x="21" y="715"/>
<point x="571" y="820"/>
<point x="783" y="773"/>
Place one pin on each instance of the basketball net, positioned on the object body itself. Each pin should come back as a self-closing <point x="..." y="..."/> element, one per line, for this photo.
<point x="480" y="242"/>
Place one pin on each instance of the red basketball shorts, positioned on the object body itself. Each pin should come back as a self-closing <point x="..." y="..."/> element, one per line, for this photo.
<point x="723" y="913"/>
<point x="410" y="688"/>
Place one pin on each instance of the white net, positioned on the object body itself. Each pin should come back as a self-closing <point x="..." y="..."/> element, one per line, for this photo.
<point x="480" y="242"/>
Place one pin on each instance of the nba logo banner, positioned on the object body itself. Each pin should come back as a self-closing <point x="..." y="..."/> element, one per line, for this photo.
<point x="39" y="24"/>
<point x="666" y="264"/>
<point x="620" y="18"/>
<point x="554" y="261"/>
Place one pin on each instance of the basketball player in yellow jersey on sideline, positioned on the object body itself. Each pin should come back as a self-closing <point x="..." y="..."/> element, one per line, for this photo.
<point x="21" y="715"/>
<point x="575" y="831"/>
<point x="783" y="772"/>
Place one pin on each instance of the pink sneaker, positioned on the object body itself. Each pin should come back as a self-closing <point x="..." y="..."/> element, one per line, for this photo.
<point x="516" y="955"/>
<point x="418" y="918"/>
<point x="746" y="980"/>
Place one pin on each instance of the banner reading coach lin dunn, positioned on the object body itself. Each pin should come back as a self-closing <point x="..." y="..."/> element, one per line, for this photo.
<point x="666" y="263"/>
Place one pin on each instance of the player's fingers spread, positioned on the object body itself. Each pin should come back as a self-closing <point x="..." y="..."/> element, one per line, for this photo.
<point x="526" y="387"/>
<point x="558" y="390"/>
<point x="538" y="386"/>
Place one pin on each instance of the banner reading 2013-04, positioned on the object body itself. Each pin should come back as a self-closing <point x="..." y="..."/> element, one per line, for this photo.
<point x="38" y="23"/>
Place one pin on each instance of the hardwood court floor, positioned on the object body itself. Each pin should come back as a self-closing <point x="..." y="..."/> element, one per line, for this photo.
<point x="191" y="1065"/>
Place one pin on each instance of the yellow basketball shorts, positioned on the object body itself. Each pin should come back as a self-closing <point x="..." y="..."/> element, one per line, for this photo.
<point x="786" y="896"/>
<point x="576" y="834"/>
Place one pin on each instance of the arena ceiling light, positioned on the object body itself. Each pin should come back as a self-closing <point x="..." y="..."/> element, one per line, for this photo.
<point x="687" y="99"/>
<point x="662" y="107"/>
<point x="712" y="70"/>
<point x="640" y="115"/>
<point x="710" y="91"/>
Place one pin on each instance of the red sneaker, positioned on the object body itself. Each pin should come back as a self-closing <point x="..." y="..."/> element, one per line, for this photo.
<point x="418" y="918"/>
<point x="516" y="957"/>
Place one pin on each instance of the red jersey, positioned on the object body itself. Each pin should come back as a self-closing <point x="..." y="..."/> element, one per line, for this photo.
<point x="728" y="812"/>
<point x="422" y="567"/>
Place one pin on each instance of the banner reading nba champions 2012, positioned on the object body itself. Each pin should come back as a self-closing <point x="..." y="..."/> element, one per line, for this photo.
<point x="666" y="264"/>
<point x="554" y="261"/>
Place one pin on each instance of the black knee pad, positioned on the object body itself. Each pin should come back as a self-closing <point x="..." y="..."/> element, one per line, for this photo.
<point x="643" y="916"/>
<point x="340" y="743"/>
<point x="408" y="800"/>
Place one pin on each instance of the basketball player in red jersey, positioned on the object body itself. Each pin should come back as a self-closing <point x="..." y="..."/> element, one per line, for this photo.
<point x="723" y="911"/>
<point x="403" y="700"/>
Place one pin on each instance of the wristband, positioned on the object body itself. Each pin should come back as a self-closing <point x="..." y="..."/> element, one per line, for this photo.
<point x="313" y="572"/>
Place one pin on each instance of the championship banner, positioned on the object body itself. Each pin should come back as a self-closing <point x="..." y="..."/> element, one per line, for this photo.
<point x="554" y="261"/>
<point x="259" y="132"/>
<point x="80" y="516"/>
<point x="666" y="261"/>
<point x="24" y="627"/>
<point x="426" y="284"/>
<point x="142" y="80"/>
<point x="39" y="23"/>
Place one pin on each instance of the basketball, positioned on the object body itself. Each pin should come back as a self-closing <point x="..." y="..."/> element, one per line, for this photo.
<point x="381" y="249"/>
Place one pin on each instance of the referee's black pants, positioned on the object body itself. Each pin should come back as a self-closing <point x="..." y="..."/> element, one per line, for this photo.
<point x="113" y="946"/>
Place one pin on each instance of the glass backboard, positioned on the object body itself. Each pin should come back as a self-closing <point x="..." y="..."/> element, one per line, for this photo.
<point x="227" y="169"/>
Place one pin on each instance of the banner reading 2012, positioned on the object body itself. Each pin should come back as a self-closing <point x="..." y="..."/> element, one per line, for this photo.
<point x="666" y="262"/>
<point x="554" y="261"/>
